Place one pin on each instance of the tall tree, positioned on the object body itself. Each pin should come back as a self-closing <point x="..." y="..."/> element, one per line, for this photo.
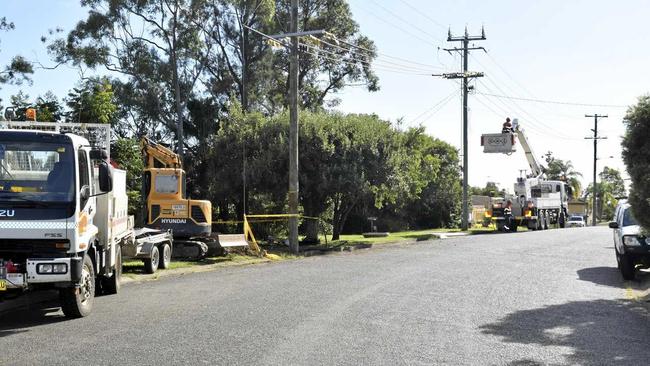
<point x="636" y="154"/>
<point x="19" y="68"/>
<point x="155" y="44"/>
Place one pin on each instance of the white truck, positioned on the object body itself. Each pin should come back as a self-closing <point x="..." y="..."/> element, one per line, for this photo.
<point x="538" y="202"/>
<point x="63" y="212"/>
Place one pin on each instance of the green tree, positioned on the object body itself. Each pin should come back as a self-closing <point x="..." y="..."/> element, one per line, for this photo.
<point x="91" y="102"/>
<point x="19" y="68"/>
<point x="610" y="188"/>
<point x="636" y="155"/>
<point x="48" y="108"/>
<point x="491" y="189"/>
<point x="558" y="169"/>
<point x="155" y="45"/>
<point x="126" y="154"/>
<point x="244" y="63"/>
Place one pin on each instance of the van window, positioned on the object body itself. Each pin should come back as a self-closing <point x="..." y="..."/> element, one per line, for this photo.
<point x="628" y="219"/>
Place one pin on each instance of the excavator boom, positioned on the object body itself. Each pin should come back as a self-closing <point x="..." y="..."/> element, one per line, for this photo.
<point x="159" y="156"/>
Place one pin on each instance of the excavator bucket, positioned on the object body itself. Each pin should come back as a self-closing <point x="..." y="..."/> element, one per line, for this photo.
<point x="499" y="143"/>
<point x="232" y="240"/>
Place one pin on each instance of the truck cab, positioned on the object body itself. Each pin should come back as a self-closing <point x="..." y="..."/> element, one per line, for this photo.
<point x="50" y="193"/>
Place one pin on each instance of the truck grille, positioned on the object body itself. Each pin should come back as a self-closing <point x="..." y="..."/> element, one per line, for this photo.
<point x="34" y="248"/>
<point x="197" y="214"/>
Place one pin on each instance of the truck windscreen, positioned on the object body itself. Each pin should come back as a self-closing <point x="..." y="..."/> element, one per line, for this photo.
<point x="41" y="171"/>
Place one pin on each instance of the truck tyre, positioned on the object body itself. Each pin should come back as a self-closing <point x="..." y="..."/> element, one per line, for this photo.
<point x="165" y="256"/>
<point x="77" y="302"/>
<point x="151" y="263"/>
<point x="111" y="285"/>
<point x="562" y="220"/>
<point x="627" y="267"/>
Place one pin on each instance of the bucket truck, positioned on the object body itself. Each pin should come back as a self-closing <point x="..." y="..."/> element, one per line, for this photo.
<point x="537" y="202"/>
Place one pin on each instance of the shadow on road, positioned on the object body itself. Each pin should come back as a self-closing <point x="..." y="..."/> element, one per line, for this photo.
<point x="40" y="312"/>
<point x="604" y="332"/>
<point x="610" y="276"/>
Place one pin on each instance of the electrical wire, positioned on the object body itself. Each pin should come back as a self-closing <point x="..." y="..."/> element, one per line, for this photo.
<point x="354" y="61"/>
<point x="409" y="23"/>
<point x="400" y="28"/>
<point x="379" y="55"/>
<point x="555" y="101"/>
<point x="421" y="13"/>
<point x="441" y="103"/>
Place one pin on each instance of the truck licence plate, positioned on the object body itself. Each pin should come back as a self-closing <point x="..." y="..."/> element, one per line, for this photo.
<point x="3" y="285"/>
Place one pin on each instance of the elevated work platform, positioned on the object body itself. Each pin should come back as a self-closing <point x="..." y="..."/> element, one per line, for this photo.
<point x="499" y="143"/>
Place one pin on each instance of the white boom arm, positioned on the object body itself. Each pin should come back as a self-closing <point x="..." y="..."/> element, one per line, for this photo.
<point x="535" y="167"/>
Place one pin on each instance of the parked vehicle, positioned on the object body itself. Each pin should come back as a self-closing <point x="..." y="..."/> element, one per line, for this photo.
<point x="631" y="247"/>
<point x="63" y="212"/>
<point x="576" y="221"/>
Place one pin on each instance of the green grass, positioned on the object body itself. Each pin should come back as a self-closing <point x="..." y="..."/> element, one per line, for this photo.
<point x="417" y="235"/>
<point x="136" y="266"/>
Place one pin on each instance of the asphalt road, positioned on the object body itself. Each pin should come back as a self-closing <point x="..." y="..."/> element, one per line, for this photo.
<point x="552" y="297"/>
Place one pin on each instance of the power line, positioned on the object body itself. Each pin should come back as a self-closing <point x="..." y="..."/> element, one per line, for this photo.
<point x="441" y="103"/>
<point x="399" y="28"/>
<point x="353" y="61"/>
<point x="554" y="101"/>
<point x="409" y="23"/>
<point x="379" y="54"/>
<point x="421" y="13"/>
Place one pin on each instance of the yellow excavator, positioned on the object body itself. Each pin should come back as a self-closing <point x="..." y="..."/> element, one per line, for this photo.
<point x="167" y="208"/>
<point x="190" y="221"/>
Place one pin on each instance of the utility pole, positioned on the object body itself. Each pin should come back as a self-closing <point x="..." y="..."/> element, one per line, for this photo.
<point x="293" y="120"/>
<point x="465" y="75"/>
<point x="293" y="132"/>
<point x="595" y="138"/>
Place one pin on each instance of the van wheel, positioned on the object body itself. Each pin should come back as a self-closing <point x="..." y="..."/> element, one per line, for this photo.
<point x="151" y="263"/>
<point x="165" y="256"/>
<point x="627" y="267"/>
<point x="78" y="302"/>
<point x="111" y="285"/>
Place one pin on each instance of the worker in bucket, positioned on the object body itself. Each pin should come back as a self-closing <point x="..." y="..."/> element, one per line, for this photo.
<point x="507" y="126"/>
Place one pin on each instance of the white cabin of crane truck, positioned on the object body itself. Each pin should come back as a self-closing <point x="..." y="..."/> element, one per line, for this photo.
<point x="537" y="201"/>
<point x="63" y="212"/>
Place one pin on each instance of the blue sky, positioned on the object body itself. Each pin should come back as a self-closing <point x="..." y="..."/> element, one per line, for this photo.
<point x="589" y="52"/>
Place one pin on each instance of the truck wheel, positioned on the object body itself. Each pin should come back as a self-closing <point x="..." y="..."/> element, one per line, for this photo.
<point x="78" y="302"/>
<point x="165" y="256"/>
<point x="151" y="263"/>
<point x="627" y="267"/>
<point x="111" y="285"/>
<point x="562" y="220"/>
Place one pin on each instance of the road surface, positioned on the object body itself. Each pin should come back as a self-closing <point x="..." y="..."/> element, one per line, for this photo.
<point x="552" y="297"/>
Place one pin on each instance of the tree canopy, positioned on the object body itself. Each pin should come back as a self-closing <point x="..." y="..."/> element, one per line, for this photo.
<point x="636" y="155"/>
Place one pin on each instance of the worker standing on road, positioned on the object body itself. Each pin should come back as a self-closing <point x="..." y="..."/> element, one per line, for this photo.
<point x="507" y="126"/>
<point x="507" y="212"/>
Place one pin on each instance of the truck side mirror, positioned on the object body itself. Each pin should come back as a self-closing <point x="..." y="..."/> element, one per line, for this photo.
<point x="613" y="225"/>
<point x="105" y="177"/>
<point x="98" y="154"/>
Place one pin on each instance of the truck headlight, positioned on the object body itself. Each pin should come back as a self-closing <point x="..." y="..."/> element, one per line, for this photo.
<point x="631" y="241"/>
<point x="60" y="268"/>
<point x="44" y="268"/>
<point x="52" y="268"/>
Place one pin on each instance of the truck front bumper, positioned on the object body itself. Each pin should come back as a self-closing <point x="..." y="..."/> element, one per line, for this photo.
<point x="46" y="271"/>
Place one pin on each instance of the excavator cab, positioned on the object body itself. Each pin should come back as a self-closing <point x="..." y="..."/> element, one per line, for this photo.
<point x="164" y="189"/>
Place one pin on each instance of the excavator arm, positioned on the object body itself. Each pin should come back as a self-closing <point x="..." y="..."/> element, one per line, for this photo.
<point x="159" y="156"/>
